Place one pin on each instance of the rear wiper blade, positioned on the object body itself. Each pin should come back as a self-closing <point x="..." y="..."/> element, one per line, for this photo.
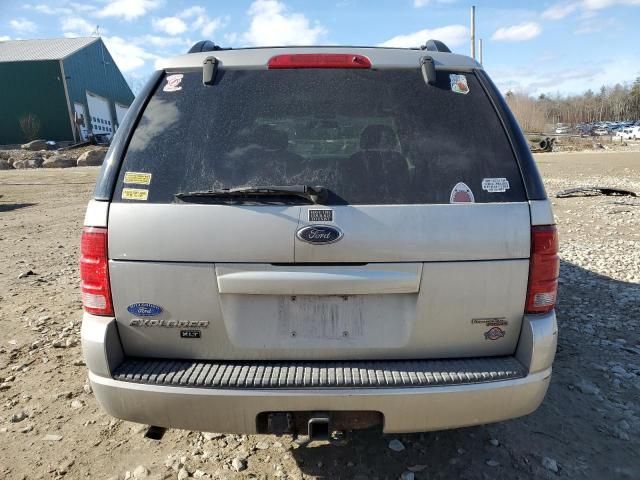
<point x="315" y="194"/>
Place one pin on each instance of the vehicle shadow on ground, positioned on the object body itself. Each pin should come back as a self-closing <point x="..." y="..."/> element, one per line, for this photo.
<point x="8" y="207"/>
<point x="564" y="428"/>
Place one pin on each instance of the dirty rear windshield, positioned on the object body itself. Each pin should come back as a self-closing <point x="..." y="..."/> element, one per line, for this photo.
<point x="369" y="137"/>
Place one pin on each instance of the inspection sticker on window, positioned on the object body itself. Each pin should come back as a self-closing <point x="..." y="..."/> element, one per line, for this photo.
<point x="135" y="194"/>
<point x="174" y="83"/>
<point x="137" y="178"/>
<point x="495" y="185"/>
<point x="459" y="83"/>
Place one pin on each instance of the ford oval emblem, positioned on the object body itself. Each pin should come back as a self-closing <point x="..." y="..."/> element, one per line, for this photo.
<point x="144" y="309"/>
<point x="319" y="234"/>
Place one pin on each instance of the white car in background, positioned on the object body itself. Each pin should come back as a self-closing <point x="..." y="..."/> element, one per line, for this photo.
<point x="632" y="133"/>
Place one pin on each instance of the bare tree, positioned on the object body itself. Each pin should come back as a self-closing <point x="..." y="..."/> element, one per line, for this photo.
<point x="611" y="103"/>
<point x="30" y="125"/>
<point x="530" y="113"/>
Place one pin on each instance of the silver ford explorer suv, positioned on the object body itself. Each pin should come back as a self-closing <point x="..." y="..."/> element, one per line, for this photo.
<point x="319" y="239"/>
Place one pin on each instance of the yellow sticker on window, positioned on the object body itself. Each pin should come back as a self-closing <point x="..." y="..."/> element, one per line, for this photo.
<point x="135" y="194"/>
<point x="137" y="178"/>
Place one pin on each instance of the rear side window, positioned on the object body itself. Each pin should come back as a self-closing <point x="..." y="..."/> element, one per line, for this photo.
<point x="369" y="137"/>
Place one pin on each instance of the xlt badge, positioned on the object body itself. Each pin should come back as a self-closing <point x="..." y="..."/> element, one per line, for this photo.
<point x="189" y="333"/>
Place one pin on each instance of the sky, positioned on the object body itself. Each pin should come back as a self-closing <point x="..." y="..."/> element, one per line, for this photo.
<point x="533" y="47"/>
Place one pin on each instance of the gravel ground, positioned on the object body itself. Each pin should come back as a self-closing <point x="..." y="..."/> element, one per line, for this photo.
<point x="587" y="427"/>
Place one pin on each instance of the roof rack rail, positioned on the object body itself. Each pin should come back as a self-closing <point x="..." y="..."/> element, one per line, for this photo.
<point x="435" y="46"/>
<point x="204" y="46"/>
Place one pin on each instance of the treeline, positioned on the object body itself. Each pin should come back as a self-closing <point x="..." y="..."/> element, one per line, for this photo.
<point x="619" y="102"/>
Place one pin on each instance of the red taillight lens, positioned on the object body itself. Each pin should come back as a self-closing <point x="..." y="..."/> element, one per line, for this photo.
<point x="319" y="60"/>
<point x="94" y="272"/>
<point x="544" y="270"/>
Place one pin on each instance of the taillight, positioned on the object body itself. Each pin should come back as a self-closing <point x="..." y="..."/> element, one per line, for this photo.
<point x="319" y="60"/>
<point x="544" y="270"/>
<point x="94" y="272"/>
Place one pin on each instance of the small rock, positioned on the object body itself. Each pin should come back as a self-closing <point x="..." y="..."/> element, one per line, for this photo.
<point x="262" y="445"/>
<point x="396" y="445"/>
<point x="34" y="145"/>
<point x="78" y="362"/>
<point x="494" y="442"/>
<point x="87" y="388"/>
<point x="35" y="162"/>
<point x="238" y="464"/>
<point x="624" y="425"/>
<point x="18" y="417"/>
<point x="5" y="165"/>
<point x="199" y="474"/>
<point x="92" y="158"/>
<point x="28" y="273"/>
<point x="407" y="476"/>
<point x="67" y="394"/>
<point x="64" y="467"/>
<point x="492" y="463"/>
<point x="140" y="472"/>
<point x="51" y="437"/>
<point x="617" y="369"/>
<point x="587" y="388"/>
<point x="212" y="436"/>
<point x="76" y="404"/>
<point x="550" y="464"/>
<point x="59" y="161"/>
<point x="183" y="474"/>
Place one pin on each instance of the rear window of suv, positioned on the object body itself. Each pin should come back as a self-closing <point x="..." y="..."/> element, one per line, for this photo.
<point x="368" y="136"/>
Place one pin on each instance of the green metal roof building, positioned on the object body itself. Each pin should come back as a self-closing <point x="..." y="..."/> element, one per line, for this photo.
<point x="59" y="89"/>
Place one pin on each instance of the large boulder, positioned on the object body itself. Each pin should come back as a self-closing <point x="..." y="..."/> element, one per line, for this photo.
<point x="4" y="155"/>
<point x="92" y="158"/>
<point x="5" y="165"/>
<point x="33" y="162"/>
<point x="35" y="145"/>
<point x="59" y="161"/>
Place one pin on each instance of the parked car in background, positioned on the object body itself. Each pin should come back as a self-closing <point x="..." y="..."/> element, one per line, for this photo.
<point x="632" y="133"/>
<point x="563" y="128"/>
<point x="601" y="131"/>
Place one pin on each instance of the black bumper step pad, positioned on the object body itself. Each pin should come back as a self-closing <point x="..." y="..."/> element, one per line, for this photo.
<point x="318" y="374"/>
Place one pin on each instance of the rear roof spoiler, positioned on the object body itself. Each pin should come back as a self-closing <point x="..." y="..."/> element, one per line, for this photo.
<point x="435" y="46"/>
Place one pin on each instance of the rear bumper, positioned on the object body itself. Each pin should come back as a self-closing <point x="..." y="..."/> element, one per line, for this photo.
<point x="404" y="409"/>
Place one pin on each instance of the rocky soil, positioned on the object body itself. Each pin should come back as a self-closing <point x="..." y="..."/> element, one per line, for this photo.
<point x="588" y="426"/>
<point x="80" y="157"/>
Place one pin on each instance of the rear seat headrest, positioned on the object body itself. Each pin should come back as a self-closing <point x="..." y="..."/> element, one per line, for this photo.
<point x="270" y="137"/>
<point x="378" y="137"/>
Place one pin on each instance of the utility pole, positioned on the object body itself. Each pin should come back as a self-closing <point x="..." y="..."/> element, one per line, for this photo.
<point x="480" y="50"/>
<point x="473" y="32"/>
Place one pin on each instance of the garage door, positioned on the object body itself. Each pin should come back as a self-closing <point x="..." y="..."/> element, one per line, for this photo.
<point x="99" y="114"/>
<point x="120" y="113"/>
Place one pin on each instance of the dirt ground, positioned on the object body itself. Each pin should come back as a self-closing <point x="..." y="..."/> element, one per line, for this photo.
<point x="588" y="426"/>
